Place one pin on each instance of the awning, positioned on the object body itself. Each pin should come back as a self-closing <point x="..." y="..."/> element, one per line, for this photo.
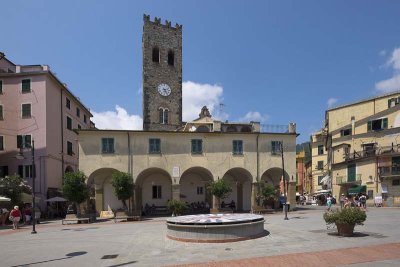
<point x="356" y="190"/>
<point x="325" y="180"/>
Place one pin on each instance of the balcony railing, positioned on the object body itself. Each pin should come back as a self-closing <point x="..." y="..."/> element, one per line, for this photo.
<point x="389" y="171"/>
<point x="387" y="150"/>
<point x="345" y="179"/>
<point x="360" y="154"/>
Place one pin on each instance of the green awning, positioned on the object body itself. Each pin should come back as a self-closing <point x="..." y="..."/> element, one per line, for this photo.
<point x="356" y="190"/>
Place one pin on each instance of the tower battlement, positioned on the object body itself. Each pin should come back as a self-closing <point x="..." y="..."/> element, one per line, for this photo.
<point x="157" y="21"/>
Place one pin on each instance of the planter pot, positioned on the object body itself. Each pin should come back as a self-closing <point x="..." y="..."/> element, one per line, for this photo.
<point x="345" y="229"/>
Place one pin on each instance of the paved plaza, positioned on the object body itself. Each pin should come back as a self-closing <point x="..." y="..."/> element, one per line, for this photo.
<point x="303" y="240"/>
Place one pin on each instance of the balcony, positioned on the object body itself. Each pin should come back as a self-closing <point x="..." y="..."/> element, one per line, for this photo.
<point x="345" y="179"/>
<point x="360" y="154"/>
<point x="389" y="150"/>
<point x="389" y="171"/>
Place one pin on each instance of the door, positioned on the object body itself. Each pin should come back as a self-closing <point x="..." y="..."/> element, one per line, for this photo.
<point x="351" y="172"/>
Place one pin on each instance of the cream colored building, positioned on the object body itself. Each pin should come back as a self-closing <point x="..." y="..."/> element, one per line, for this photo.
<point x="363" y="140"/>
<point x="319" y="165"/>
<point x="178" y="165"/>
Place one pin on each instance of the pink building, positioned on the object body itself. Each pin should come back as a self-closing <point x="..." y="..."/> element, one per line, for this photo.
<point x="36" y="105"/>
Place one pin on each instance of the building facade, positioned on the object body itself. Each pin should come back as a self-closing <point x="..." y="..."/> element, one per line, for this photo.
<point x="363" y="145"/>
<point x="319" y="166"/>
<point x="174" y="160"/>
<point x="35" y="106"/>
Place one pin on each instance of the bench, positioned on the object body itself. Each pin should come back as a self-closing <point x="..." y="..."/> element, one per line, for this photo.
<point x="129" y="216"/>
<point x="261" y="211"/>
<point x="75" y="218"/>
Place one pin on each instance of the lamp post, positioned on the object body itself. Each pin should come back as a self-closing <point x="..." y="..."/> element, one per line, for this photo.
<point x="20" y="155"/>
<point x="284" y="183"/>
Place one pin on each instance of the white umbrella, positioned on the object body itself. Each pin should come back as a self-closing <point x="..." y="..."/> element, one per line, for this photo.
<point x="5" y="199"/>
<point x="56" y="199"/>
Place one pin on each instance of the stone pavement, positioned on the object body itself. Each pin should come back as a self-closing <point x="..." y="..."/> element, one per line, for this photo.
<point x="303" y="240"/>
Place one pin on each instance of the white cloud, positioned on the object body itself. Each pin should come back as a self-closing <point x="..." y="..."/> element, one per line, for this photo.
<point x="117" y="120"/>
<point x="331" y="101"/>
<point x="197" y="95"/>
<point x="254" y="116"/>
<point x="393" y="83"/>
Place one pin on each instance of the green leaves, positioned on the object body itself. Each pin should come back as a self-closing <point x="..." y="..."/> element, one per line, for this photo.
<point x="122" y="183"/>
<point x="74" y="187"/>
<point x="220" y="188"/>
<point x="352" y="215"/>
<point x="12" y="187"/>
<point x="177" y="207"/>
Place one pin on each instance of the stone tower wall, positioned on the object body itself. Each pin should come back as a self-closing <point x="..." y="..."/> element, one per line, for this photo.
<point x="166" y="38"/>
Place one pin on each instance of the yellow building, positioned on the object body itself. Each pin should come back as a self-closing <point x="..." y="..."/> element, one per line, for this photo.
<point x="363" y="142"/>
<point x="319" y="166"/>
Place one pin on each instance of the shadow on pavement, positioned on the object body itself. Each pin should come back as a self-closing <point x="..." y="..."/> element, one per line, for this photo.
<point x="68" y="256"/>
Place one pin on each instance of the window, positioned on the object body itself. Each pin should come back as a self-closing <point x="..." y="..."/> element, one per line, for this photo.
<point x="320" y="149"/>
<point x="163" y="116"/>
<point x="107" y="145"/>
<point x="78" y="112"/>
<point x="67" y="103"/>
<point x="319" y="179"/>
<point x="25" y="171"/>
<point x="24" y="141"/>
<point x="377" y="125"/>
<point x="170" y="58"/>
<point x="320" y="165"/>
<point x="3" y="171"/>
<point x="84" y="118"/>
<point x="69" y="123"/>
<point x="345" y="132"/>
<point x="237" y="148"/>
<point x="154" y="146"/>
<point x="197" y="146"/>
<point x="276" y="147"/>
<point x="1" y="142"/>
<point x="156" y="191"/>
<point x="156" y="55"/>
<point x="393" y="102"/>
<point x="79" y="127"/>
<point x="199" y="190"/>
<point x="69" y="148"/>
<point x="21" y="170"/>
<point x="396" y="182"/>
<point x="26" y="110"/>
<point x="370" y="194"/>
<point x="1" y="112"/>
<point x="1" y="87"/>
<point x="26" y="86"/>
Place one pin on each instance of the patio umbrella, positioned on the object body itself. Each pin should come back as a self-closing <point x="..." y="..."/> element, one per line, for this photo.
<point x="56" y="199"/>
<point x="5" y="199"/>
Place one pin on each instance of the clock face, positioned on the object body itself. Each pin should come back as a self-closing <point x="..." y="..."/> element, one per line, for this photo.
<point x="164" y="89"/>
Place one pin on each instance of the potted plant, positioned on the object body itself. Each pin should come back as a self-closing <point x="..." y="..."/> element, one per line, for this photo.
<point x="220" y="189"/>
<point x="176" y="207"/>
<point x="345" y="219"/>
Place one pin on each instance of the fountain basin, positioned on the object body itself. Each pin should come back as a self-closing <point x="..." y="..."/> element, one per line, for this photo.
<point x="215" y="228"/>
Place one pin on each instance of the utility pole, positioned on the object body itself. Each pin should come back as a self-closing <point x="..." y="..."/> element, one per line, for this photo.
<point x="284" y="183"/>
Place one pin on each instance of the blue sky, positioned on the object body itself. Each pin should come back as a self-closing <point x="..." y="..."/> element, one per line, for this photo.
<point x="273" y="61"/>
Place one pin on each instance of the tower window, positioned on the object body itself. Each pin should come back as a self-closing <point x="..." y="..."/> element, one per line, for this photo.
<point x="156" y="55"/>
<point x="163" y="116"/>
<point x="170" y="58"/>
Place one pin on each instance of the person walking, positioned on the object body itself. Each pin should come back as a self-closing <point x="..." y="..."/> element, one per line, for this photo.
<point x="342" y="200"/>
<point x="15" y="216"/>
<point x="329" y="202"/>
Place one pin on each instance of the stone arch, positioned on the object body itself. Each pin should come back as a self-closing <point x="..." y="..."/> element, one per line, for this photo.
<point x="241" y="180"/>
<point x="193" y="185"/>
<point x="153" y="186"/>
<point x="100" y="181"/>
<point x="273" y="176"/>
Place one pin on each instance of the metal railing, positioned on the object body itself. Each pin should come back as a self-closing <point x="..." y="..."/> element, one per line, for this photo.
<point x="360" y="154"/>
<point x="348" y="179"/>
<point x="385" y="150"/>
<point x="272" y="128"/>
<point x="389" y="171"/>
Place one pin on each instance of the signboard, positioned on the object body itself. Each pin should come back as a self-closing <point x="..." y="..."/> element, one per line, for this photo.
<point x="175" y="172"/>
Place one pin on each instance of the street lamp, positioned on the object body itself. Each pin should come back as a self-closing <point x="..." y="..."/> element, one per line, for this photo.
<point x="284" y="183"/>
<point x="20" y="155"/>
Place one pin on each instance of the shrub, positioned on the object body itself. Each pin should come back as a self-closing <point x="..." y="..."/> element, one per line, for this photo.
<point x="177" y="207"/>
<point x="123" y="186"/>
<point x="352" y="215"/>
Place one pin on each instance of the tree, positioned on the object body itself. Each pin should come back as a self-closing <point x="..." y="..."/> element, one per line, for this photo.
<point x="12" y="187"/>
<point x="123" y="186"/>
<point x="75" y="188"/>
<point x="268" y="193"/>
<point x="220" y="189"/>
<point x="177" y="207"/>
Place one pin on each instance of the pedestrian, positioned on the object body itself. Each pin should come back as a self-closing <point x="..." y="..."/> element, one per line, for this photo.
<point x="15" y="216"/>
<point x="329" y="202"/>
<point x="342" y="201"/>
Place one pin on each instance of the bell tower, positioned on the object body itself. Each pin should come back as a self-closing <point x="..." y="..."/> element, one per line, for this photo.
<point x="162" y="75"/>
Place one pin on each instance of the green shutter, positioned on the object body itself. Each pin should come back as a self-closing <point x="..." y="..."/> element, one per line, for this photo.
<point x="369" y="127"/>
<point x="384" y="123"/>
